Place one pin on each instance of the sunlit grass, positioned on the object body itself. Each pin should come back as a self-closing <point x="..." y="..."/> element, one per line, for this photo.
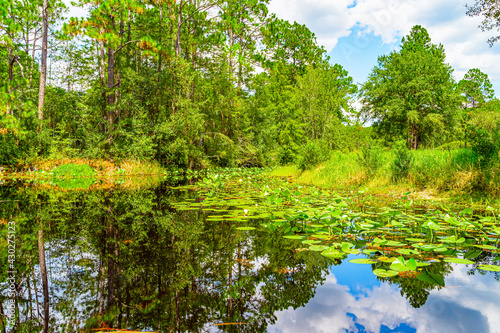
<point x="433" y="171"/>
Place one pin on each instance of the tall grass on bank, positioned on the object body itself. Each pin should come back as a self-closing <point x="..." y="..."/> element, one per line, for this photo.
<point x="456" y="170"/>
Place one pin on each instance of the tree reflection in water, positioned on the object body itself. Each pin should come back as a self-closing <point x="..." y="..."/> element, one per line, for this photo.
<point x="126" y="258"/>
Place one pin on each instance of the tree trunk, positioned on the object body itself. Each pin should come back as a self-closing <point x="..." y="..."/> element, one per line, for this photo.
<point x="43" y="70"/>
<point x="2" y="314"/>
<point x="103" y="273"/>
<point x="159" y="41"/>
<point x="177" y="313"/>
<point x="35" y="288"/>
<point x="414" y="134"/>
<point x="11" y="78"/>
<point x="33" y="58"/>
<point x="179" y="24"/>
<point x="45" y="283"/>
<point x="111" y="268"/>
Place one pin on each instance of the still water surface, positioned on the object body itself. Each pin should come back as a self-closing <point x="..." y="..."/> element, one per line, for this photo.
<point x="134" y="258"/>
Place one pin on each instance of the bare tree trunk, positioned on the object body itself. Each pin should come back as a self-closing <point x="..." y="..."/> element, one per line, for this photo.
<point x="103" y="79"/>
<point x="45" y="283"/>
<point x="35" y="288"/>
<point x="178" y="315"/>
<point x="33" y="58"/>
<point x="414" y="134"/>
<point x="111" y="84"/>
<point x="43" y="70"/>
<point x="111" y="268"/>
<point x="179" y="25"/>
<point x="2" y="313"/>
<point x="103" y="276"/>
<point x="161" y="30"/>
<point x="11" y="78"/>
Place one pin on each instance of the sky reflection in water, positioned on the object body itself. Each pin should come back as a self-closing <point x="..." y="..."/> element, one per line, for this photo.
<point x="353" y="300"/>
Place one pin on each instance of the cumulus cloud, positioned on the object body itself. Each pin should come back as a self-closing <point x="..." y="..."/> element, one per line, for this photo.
<point x="469" y="304"/>
<point x="464" y="42"/>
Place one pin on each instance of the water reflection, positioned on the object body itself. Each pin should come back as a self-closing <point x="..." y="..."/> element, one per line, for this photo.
<point x="340" y="305"/>
<point x="127" y="258"/>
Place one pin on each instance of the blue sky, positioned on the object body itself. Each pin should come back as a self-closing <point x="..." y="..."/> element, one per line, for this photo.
<point x="355" y="33"/>
<point x="352" y="299"/>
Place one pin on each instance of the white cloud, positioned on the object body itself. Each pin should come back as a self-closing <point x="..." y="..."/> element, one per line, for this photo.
<point x="470" y="303"/>
<point x="329" y="20"/>
<point x="464" y="42"/>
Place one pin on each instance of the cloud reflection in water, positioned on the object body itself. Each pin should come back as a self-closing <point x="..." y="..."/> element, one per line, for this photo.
<point x="468" y="304"/>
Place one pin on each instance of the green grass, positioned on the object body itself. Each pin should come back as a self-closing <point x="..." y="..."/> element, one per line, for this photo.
<point x="436" y="170"/>
<point x="73" y="171"/>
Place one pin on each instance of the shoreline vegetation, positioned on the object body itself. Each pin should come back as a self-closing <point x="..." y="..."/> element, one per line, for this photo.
<point x="241" y="89"/>
<point x="450" y="175"/>
<point x="86" y="174"/>
<point x="83" y="168"/>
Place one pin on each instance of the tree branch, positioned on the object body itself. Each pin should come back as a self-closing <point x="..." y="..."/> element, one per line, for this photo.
<point x="197" y="11"/>
<point x="123" y="45"/>
<point x="21" y="66"/>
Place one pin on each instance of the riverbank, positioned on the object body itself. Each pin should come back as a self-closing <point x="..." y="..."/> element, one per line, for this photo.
<point x="434" y="175"/>
<point x="76" y="168"/>
<point x="77" y="174"/>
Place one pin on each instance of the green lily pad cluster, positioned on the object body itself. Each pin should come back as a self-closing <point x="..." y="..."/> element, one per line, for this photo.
<point x="395" y="240"/>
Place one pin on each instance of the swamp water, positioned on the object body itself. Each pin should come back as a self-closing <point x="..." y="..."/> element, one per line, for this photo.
<point x="242" y="252"/>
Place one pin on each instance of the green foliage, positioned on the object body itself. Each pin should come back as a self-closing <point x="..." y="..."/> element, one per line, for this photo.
<point x="402" y="163"/>
<point x="476" y="87"/>
<point x="312" y="153"/>
<point x="484" y="128"/>
<point x="486" y="146"/>
<point x="9" y="149"/>
<point x="370" y="159"/>
<point x="488" y="9"/>
<point x="73" y="171"/>
<point x="411" y="93"/>
<point x="451" y="145"/>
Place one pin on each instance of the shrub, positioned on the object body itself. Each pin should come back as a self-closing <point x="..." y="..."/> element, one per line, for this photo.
<point x="9" y="148"/>
<point x="451" y="146"/>
<point x="370" y="159"/>
<point x="486" y="146"/>
<point x="286" y="155"/>
<point x="402" y="163"/>
<point x="311" y="154"/>
<point x="73" y="170"/>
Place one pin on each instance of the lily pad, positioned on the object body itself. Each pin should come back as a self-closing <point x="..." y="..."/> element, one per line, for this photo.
<point x="318" y="247"/>
<point x="332" y="253"/>
<point x="486" y="247"/>
<point x="407" y="251"/>
<point x="383" y="273"/>
<point x="459" y="261"/>
<point x="310" y="241"/>
<point x="363" y="261"/>
<point x="293" y="237"/>
<point x="491" y="268"/>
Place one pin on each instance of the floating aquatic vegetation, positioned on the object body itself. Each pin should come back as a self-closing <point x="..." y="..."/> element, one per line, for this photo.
<point x="395" y="240"/>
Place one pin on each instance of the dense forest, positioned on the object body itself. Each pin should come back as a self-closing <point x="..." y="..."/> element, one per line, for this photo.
<point x="194" y="84"/>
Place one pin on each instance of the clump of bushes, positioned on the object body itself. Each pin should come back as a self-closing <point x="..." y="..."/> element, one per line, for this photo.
<point x="402" y="163"/>
<point x="311" y="154"/>
<point x="73" y="170"/>
<point x="370" y="159"/>
<point x="486" y="146"/>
